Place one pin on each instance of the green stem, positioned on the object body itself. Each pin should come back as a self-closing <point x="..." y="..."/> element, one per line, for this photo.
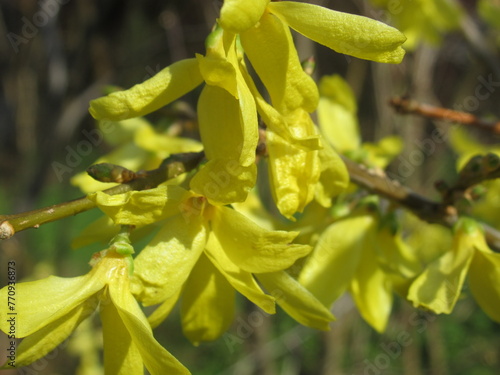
<point x="170" y="168"/>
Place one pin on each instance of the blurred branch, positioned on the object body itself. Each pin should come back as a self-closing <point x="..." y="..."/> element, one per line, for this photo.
<point x="170" y="168"/>
<point x="407" y="106"/>
<point x="426" y="209"/>
<point x="376" y="182"/>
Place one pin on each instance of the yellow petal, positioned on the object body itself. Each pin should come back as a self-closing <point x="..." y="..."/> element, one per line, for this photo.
<point x="228" y="126"/>
<point x="241" y="280"/>
<point x="163" y="145"/>
<point x="239" y="15"/>
<point x="156" y="358"/>
<point x="116" y="133"/>
<point x="207" y="306"/>
<point x="121" y="355"/>
<point x="440" y="285"/>
<point x="334" y="177"/>
<point x="276" y="122"/>
<point x="345" y="33"/>
<point x="484" y="281"/>
<point x="293" y="174"/>
<point x="297" y="301"/>
<point x="334" y="261"/>
<point x="166" y="86"/>
<point x="218" y="72"/>
<point x="270" y="49"/>
<point x="394" y="255"/>
<point x="142" y="207"/>
<point x="371" y="289"/>
<point x="162" y="267"/>
<point x="337" y="114"/>
<point x="224" y="181"/>
<point x="36" y="308"/>
<point x="253" y="248"/>
<point x="163" y="310"/>
<point x="43" y="341"/>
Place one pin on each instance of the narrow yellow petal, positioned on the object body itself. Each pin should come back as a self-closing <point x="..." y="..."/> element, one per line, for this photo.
<point x="253" y="248"/>
<point x="276" y="122"/>
<point x="397" y="260"/>
<point x="155" y="357"/>
<point x="162" y="311"/>
<point x="440" y="285"/>
<point x="166" y="86"/>
<point x="345" y="33"/>
<point x="242" y="281"/>
<point x="43" y="341"/>
<point x="337" y="114"/>
<point x="162" y="267"/>
<point x="293" y="174"/>
<point x="334" y="177"/>
<point x="371" y="289"/>
<point x="142" y="207"/>
<point x="333" y="263"/>
<point x="224" y="181"/>
<point x="36" y="308"/>
<point x="239" y="15"/>
<point x="484" y="281"/>
<point x="163" y="145"/>
<point x="297" y="301"/>
<point x="121" y="355"/>
<point x="207" y="306"/>
<point x="270" y="49"/>
<point x="228" y="126"/>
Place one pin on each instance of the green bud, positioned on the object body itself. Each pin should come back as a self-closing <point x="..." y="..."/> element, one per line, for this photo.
<point x="107" y="172"/>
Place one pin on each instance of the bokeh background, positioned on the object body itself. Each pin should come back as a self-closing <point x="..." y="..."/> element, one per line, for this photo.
<point x="56" y="55"/>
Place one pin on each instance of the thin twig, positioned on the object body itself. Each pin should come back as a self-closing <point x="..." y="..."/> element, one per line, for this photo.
<point x="170" y="168"/>
<point x="405" y="105"/>
<point x="426" y="209"/>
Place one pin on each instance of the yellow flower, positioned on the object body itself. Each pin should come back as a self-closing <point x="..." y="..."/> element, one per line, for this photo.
<point x="345" y="33"/>
<point x="229" y="102"/>
<point x="439" y="286"/>
<point x="345" y="258"/>
<point x="204" y="252"/>
<point x="48" y="311"/>
<point x="358" y="254"/>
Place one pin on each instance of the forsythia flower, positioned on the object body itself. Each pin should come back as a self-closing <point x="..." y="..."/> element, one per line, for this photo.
<point x="439" y="286"/>
<point x="48" y="311"/>
<point x="229" y="102"/>
<point x="363" y="255"/>
<point x="345" y="258"/>
<point x="204" y="252"/>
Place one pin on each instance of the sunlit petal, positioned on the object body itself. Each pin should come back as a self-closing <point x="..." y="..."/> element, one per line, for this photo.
<point x="207" y="305"/>
<point x="166" y="86"/>
<point x="162" y="267"/>
<point x="297" y="301"/>
<point x="345" y="33"/>
<point x="253" y="248"/>
<point x="270" y="49"/>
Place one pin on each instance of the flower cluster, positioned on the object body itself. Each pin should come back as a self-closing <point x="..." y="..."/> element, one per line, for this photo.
<point x="204" y="243"/>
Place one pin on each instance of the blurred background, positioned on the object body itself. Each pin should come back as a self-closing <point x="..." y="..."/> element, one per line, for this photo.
<point x="56" y="55"/>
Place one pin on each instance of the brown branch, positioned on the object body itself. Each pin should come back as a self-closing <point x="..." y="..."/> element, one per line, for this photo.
<point x="408" y="106"/>
<point x="170" y="168"/>
<point x="426" y="209"/>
